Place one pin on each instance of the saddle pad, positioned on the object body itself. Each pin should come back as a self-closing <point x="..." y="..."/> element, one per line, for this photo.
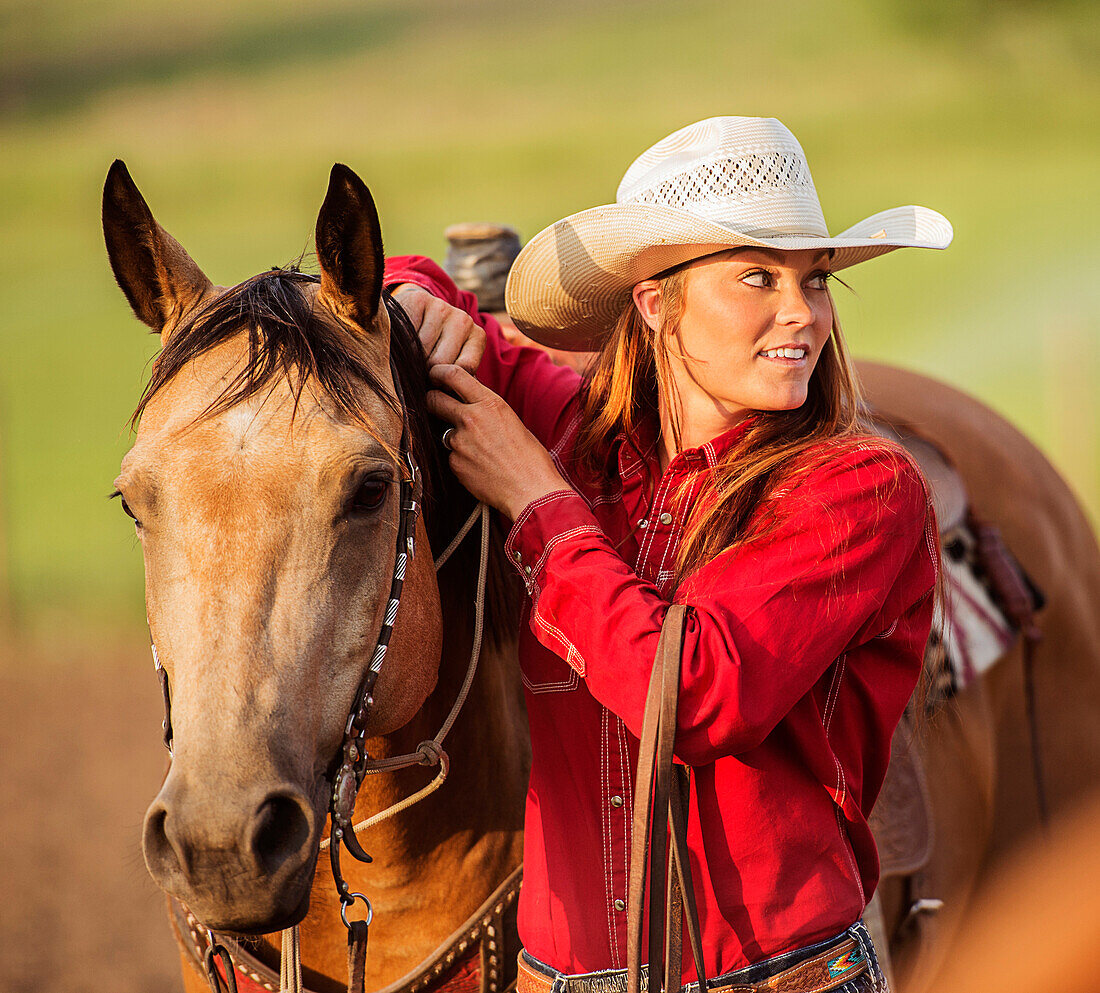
<point x="976" y="634"/>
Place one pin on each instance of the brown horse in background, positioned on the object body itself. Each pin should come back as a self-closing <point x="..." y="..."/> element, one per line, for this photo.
<point x="264" y="487"/>
<point x="977" y="749"/>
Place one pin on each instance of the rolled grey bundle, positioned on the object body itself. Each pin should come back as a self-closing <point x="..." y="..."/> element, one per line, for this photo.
<point x="478" y="259"/>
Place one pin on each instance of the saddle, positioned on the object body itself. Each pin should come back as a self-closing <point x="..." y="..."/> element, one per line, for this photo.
<point x="989" y="603"/>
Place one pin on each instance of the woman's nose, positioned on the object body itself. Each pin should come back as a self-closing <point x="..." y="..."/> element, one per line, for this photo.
<point x="794" y="308"/>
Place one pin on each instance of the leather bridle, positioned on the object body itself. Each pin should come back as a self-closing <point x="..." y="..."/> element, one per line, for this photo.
<point x="353" y="757"/>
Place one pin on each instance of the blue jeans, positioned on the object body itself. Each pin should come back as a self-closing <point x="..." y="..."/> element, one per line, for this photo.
<point x="614" y="980"/>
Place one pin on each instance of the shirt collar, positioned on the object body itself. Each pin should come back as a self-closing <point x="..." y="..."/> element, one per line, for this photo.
<point x="637" y="450"/>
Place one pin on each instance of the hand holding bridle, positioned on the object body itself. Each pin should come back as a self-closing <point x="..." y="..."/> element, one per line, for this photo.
<point x="493" y="455"/>
<point x="449" y="335"/>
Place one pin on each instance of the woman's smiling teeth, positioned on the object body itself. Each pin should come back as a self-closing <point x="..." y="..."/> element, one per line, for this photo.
<point x="798" y="352"/>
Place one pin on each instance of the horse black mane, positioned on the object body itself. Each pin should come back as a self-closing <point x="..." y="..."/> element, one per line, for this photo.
<point x="290" y="338"/>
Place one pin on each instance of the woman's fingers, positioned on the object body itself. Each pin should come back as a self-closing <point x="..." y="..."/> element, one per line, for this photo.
<point x="444" y="406"/>
<point x="448" y="334"/>
<point x="415" y="301"/>
<point x="469" y="357"/>
<point x="459" y="382"/>
<point x="490" y="451"/>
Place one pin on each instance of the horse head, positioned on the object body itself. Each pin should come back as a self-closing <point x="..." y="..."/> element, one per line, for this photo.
<point x="264" y="486"/>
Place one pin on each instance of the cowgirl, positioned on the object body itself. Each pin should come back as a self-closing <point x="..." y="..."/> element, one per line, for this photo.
<point x="713" y="457"/>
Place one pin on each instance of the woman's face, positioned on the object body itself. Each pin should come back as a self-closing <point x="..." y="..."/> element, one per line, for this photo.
<point x="753" y="324"/>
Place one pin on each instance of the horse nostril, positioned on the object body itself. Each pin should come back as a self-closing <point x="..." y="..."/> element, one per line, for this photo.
<point x="163" y="855"/>
<point x="280" y="831"/>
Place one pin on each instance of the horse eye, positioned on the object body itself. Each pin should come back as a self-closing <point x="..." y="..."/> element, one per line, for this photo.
<point x="128" y="512"/>
<point x="369" y="496"/>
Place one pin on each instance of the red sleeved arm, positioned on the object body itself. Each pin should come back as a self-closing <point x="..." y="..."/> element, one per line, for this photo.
<point x="850" y="557"/>
<point x="540" y="392"/>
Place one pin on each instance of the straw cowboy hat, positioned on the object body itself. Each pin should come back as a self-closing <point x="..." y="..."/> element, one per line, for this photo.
<point x="726" y="182"/>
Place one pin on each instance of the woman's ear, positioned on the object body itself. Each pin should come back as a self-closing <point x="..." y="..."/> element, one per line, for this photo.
<point x="647" y="298"/>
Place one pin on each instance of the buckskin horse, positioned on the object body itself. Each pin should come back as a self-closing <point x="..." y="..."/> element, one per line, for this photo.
<point x="271" y="475"/>
<point x="281" y="454"/>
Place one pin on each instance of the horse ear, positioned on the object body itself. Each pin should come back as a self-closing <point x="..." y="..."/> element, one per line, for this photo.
<point x="349" y="248"/>
<point x="161" y="281"/>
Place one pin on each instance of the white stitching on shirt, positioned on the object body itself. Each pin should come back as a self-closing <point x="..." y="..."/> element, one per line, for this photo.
<point x="841" y="782"/>
<point x="626" y="810"/>
<point x="834" y="692"/>
<point x="651" y="531"/>
<point x="674" y="537"/>
<point x="568" y="434"/>
<point x="615" y="496"/>
<point x="890" y="630"/>
<point x="563" y="686"/>
<point x="572" y="657"/>
<point x="534" y="505"/>
<point x="841" y="664"/>
<point x="559" y="538"/>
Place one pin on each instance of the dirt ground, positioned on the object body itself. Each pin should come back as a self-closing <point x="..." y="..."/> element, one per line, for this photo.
<point x="80" y="759"/>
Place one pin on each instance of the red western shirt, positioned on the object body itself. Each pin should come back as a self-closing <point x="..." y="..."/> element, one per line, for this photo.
<point x="801" y="650"/>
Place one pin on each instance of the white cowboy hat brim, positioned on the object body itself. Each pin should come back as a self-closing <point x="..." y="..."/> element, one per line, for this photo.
<point x="573" y="279"/>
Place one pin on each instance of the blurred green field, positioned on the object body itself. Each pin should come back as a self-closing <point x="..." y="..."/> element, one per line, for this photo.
<point x="229" y="116"/>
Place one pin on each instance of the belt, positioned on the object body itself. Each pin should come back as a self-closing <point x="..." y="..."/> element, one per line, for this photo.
<point x="824" y="971"/>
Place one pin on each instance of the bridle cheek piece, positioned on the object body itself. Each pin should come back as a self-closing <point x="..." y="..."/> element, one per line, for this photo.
<point x="353" y="754"/>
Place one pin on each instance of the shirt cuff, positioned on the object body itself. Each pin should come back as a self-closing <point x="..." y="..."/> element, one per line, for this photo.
<point x="541" y="525"/>
<point x="401" y="277"/>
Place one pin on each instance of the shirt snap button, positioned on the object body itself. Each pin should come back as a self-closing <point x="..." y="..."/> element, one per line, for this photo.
<point x="643" y="523"/>
<point x="665" y="518"/>
<point x="619" y="905"/>
<point x="616" y="801"/>
<point x="518" y="556"/>
<point x="527" y="570"/>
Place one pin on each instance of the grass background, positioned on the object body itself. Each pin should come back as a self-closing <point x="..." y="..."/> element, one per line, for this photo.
<point x="229" y="115"/>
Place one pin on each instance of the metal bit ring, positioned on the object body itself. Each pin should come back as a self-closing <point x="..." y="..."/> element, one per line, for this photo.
<point x="347" y="901"/>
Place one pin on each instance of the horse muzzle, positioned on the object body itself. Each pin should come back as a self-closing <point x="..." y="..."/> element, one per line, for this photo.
<point x="242" y="861"/>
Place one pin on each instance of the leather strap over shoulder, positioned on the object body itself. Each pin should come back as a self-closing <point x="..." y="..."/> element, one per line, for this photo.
<point x="661" y="797"/>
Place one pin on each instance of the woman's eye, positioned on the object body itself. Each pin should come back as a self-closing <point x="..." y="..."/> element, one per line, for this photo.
<point x="758" y="277"/>
<point x="819" y="280"/>
<point x="369" y="496"/>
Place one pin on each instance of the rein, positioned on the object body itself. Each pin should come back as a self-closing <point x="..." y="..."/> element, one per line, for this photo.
<point x="354" y="762"/>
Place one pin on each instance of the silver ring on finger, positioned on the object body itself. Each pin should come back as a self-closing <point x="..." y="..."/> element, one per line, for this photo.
<point x="446" y="439"/>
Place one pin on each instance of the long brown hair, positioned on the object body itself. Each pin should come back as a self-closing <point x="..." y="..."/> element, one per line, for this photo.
<point x="632" y="372"/>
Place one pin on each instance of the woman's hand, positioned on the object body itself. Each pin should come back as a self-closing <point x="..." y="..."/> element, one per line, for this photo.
<point x="448" y="334"/>
<point x="494" y="456"/>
